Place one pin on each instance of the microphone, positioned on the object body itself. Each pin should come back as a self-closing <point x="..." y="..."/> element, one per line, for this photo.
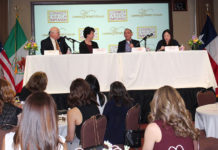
<point x="147" y="36"/>
<point x="70" y="39"/>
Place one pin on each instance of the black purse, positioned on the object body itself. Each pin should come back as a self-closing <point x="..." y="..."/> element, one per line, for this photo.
<point x="133" y="138"/>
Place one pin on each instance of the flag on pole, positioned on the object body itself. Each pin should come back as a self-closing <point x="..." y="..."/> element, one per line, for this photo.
<point x="210" y="43"/>
<point x="14" y="48"/>
<point x="5" y="67"/>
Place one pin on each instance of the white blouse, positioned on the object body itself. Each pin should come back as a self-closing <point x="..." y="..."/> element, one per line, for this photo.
<point x="9" y="142"/>
<point x="101" y="108"/>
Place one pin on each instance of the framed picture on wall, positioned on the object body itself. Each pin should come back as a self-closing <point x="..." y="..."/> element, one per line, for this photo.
<point x="180" y="5"/>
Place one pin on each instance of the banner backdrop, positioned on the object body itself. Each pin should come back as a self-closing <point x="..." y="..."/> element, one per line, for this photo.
<point x="109" y="21"/>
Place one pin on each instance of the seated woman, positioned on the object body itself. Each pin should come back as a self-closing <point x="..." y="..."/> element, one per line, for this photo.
<point x="38" y="128"/>
<point x="101" y="98"/>
<point x="115" y="111"/>
<point x="83" y="105"/>
<point x="171" y="124"/>
<point x="37" y="82"/>
<point x="167" y="40"/>
<point x="87" y="45"/>
<point x="8" y="111"/>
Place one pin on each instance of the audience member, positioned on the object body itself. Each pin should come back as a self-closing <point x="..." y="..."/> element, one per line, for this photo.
<point x="115" y="111"/>
<point x="95" y="87"/>
<point x="171" y="124"/>
<point x="38" y="127"/>
<point x="83" y="105"/>
<point x="37" y="83"/>
<point x="8" y="111"/>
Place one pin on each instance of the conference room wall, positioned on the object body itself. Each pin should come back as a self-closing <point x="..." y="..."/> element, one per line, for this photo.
<point x="216" y="14"/>
<point x="183" y="21"/>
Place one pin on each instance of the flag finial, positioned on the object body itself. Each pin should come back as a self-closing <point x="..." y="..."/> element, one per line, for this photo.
<point x="207" y="9"/>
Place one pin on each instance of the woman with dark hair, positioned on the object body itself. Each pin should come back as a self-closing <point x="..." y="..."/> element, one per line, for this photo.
<point x="87" y="45"/>
<point x="37" y="83"/>
<point x="100" y="97"/>
<point x="167" y="40"/>
<point x="171" y="124"/>
<point x="38" y="127"/>
<point x="8" y="111"/>
<point x="83" y="105"/>
<point x="115" y="111"/>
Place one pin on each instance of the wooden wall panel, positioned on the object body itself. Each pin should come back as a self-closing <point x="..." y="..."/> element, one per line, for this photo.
<point x="4" y="20"/>
<point x="202" y="13"/>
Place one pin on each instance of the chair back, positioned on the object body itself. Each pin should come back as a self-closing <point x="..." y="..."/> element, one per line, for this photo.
<point x="132" y="118"/>
<point x="92" y="131"/>
<point x="205" y="97"/>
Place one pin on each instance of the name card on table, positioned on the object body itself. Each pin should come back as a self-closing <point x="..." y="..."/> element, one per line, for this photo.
<point x="51" y="52"/>
<point x="99" y="51"/>
<point x="138" y="49"/>
<point x="171" y="48"/>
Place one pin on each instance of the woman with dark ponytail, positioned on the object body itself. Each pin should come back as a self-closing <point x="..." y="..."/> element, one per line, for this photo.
<point x="100" y="97"/>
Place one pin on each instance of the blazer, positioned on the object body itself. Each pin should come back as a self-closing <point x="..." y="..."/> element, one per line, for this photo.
<point x="46" y="44"/>
<point x="163" y="43"/>
<point x="122" y="45"/>
<point x="84" y="49"/>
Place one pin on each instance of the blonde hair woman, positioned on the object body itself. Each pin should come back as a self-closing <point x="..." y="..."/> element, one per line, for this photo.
<point x="171" y="124"/>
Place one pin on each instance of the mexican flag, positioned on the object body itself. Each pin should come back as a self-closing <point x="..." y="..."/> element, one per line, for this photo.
<point x="14" y="48"/>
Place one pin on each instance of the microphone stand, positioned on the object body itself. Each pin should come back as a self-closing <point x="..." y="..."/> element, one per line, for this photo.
<point x="144" y="39"/>
<point x="73" y="43"/>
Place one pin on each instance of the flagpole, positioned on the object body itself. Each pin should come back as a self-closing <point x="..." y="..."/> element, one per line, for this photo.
<point x="15" y="35"/>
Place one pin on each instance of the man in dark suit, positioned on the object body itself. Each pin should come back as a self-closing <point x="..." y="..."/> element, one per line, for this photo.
<point x="55" y="42"/>
<point x="127" y="44"/>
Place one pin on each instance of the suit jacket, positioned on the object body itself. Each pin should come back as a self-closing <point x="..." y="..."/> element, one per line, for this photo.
<point x="84" y="49"/>
<point x="122" y="45"/>
<point x="46" y="44"/>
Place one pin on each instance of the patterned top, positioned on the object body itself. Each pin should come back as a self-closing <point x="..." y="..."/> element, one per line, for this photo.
<point x="9" y="114"/>
<point x="170" y="141"/>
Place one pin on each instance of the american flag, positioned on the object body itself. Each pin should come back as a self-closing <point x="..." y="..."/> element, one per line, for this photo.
<point x="6" y="67"/>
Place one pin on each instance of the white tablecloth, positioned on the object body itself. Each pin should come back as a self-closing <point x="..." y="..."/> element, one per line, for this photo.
<point x="62" y="125"/>
<point x="206" y="118"/>
<point x="138" y="71"/>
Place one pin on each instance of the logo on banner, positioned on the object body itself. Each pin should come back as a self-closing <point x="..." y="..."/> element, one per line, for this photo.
<point x="146" y="12"/>
<point x="145" y="30"/>
<point x="96" y="36"/>
<point x="112" y="48"/>
<point x="88" y="14"/>
<point x="117" y="15"/>
<point x="115" y="31"/>
<point x="57" y="16"/>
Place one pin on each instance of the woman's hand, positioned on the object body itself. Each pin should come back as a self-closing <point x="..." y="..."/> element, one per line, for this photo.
<point x="162" y="48"/>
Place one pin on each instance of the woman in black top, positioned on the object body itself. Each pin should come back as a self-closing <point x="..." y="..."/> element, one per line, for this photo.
<point x="95" y="87"/>
<point x="83" y="105"/>
<point x="87" y="45"/>
<point x="167" y="40"/>
<point x="8" y="111"/>
<point x="37" y="83"/>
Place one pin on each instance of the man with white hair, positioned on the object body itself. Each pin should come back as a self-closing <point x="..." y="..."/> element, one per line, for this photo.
<point x="127" y="44"/>
<point x="54" y="42"/>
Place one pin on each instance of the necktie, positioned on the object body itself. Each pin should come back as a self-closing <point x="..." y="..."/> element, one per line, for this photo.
<point x="57" y="46"/>
<point x="127" y="46"/>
